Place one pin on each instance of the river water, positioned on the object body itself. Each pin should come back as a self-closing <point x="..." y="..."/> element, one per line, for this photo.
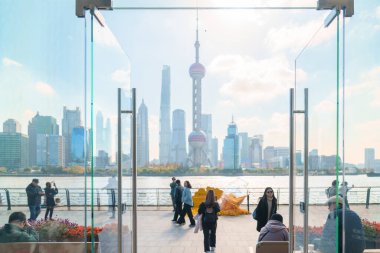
<point x="155" y="190"/>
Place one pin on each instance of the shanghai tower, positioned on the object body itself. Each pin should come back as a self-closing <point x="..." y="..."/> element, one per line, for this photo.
<point x="197" y="138"/>
<point x="165" y="130"/>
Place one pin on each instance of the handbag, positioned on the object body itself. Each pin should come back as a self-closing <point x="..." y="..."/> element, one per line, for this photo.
<point x="254" y="214"/>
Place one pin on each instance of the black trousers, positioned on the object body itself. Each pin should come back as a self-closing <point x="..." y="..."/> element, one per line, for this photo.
<point x="178" y="210"/>
<point x="49" y="211"/>
<point x="209" y="233"/>
<point x="186" y="210"/>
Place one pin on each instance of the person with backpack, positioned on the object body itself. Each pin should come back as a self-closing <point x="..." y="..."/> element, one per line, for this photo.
<point x="209" y="209"/>
<point x="187" y="205"/>
<point x="266" y="208"/>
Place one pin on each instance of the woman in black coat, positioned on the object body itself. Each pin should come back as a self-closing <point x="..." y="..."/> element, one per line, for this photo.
<point x="49" y="196"/>
<point x="266" y="207"/>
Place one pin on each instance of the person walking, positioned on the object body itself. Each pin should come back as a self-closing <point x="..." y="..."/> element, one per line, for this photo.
<point x="17" y="230"/>
<point x="274" y="230"/>
<point x="50" y="202"/>
<point x="266" y="208"/>
<point x="173" y="187"/>
<point x="187" y="205"/>
<point x="343" y="190"/>
<point x="34" y="193"/>
<point x="178" y="200"/>
<point x="209" y="209"/>
<point x="353" y="235"/>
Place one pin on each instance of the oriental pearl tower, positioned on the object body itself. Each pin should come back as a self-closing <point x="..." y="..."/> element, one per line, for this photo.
<point x="197" y="138"/>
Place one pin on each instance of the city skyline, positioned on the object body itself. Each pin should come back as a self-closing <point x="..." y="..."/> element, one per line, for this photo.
<point x="249" y="71"/>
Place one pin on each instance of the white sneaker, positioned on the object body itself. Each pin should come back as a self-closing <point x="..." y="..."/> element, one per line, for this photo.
<point x="212" y="249"/>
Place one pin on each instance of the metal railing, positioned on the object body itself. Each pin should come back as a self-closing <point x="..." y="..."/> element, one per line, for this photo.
<point x="161" y="196"/>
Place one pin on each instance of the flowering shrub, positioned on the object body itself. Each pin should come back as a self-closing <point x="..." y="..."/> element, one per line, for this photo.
<point x="63" y="230"/>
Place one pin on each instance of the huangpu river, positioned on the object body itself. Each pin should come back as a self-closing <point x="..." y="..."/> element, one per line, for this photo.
<point x="155" y="190"/>
<point x="196" y="181"/>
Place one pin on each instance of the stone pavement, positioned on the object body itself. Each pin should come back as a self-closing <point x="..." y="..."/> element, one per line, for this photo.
<point x="156" y="232"/>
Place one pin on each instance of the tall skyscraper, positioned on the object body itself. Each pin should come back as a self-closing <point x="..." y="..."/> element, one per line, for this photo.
<point x="197" y="138"/>
<point x="142" y="136"/>
<point x="215" y="152"/>
<point x="40" y="125"/>
<point x="165" y="132"/>
<point x="50" y="150"/>
<point x="108" y="136"/>
<point x="206" y="127"/>
<point x="232" y="148"/>
<point x="244" y="150"/>
<point x="77" y="145"/>
<point x="369" y="158"/>
<point x="178" y="147"/>
<point x="314" y="160"/>
<point x="11" y="126"/>
<point x="99" y="132"/>
<point x="14" y="150"/>
<point x="269" y="157"/>
<point x="70" y="120"/>
<point x="256" y="151"/>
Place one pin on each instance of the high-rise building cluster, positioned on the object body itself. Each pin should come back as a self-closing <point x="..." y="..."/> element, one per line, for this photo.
<point x="45" y="146"/>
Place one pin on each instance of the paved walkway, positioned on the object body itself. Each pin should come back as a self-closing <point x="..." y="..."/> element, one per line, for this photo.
<point x="156" y="233"/>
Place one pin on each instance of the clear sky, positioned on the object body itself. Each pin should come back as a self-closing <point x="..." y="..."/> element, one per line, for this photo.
<point x="248" y="54"/>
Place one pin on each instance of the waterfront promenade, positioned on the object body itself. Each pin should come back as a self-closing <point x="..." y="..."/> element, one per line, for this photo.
<point x="156" y="233"/>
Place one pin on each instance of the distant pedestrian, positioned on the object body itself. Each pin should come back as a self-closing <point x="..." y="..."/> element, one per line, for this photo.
<point x="343" y="190"/>
<point x="331" y="191"/>
<point x="354" y="233"/>
<point x="274" y="230"/>
<point x="266" y="208"/>
<point x="209" y="209"/>
<point x="17" y="230"/>
<point x="173" y="187"/>
<point x="49" y="197"/>
<point x="178" y="200"/>
<point x="34" y="193"/>
<point x="111" y="192"/>
<point x="187" y="205"/>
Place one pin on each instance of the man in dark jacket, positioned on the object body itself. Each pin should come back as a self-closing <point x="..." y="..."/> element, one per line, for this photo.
<point x="173" y="187"/>
<point x="17" y="230"/>
<point x="34" y="193"/>
<point x="178" y="200"/>
<point x="354" y="234"/>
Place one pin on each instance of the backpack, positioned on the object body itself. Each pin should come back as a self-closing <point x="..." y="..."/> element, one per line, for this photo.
<point x="209" y="215"/>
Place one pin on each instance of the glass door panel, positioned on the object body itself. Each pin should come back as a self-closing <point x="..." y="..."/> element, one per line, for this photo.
<point x="109" y="70"/>
<point x="43" y="138"/>
<point x="317" y="71"/>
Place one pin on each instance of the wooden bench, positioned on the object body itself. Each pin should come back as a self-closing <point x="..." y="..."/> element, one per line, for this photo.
<point x="271" y="247"/>
<point x="47" y="247"/>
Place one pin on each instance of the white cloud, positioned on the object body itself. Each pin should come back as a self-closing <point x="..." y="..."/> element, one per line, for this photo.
<point x="121" y="76"/>
<point x="288" y="35"/>
<point x="378" y="12"/>
<point x="277" y="132"/>
<point x="44" y="88"/>
<point x="369" y="84"/>
<point x="250" y="81"/>
<point x="325" y="106"/>
<point x="9" y="62"/>
<point x="248" y="123"/>
<point x="104" y="36"/>
<point x="28" y="113"/>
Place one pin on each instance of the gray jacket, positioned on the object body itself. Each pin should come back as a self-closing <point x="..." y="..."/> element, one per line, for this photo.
<point x="274" y="231"/>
